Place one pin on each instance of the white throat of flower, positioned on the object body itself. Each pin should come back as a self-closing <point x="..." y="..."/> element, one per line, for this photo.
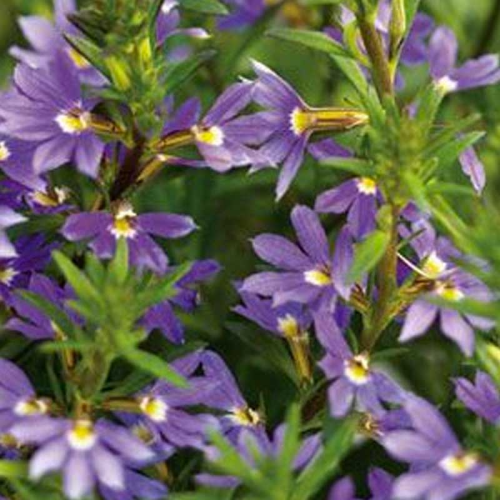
<point x="73" y="122"/>
<point x="7" y="275"/>
<point x="434" y="266"/>
<point x="4" y="151"/>
<point x="367" y="186"/>
<point x="213" y="136"/>
<point x="124" y="222"/>
<point x="446" y="84"/>
<point x="299" y="121"/>
<point x="289" y="326"/>
<point x="82" y="436"/>
<point x="30" y="407"/>
<point x="53" y="198"/>
<point x="245" y="417"/>
<point x="459" y="463"/>
<point x="357" y="369"/>
<point x="154" y="408"/>
<point x="318" y="277"/>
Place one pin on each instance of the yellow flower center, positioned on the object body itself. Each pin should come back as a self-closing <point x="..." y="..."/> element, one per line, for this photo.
<point x="357" y="369"/>
<point x="300" y="121"/>
<point x="4" y="151"/>
<point x="455" y="465"/>
<point x="367" y="186"/>
<point x="73" y="122"/>
<point x="214" y="136"/>
<point x="8" y="441"/>
<point x="246" y="416"/>
<point x="289" y="326"/>
<point x="78" y="60"/>
<point x="82" y="436"/>
<point x="7" y="275"/>
<point x="124" y="222"/>
<point x="449" y="291"/>
<point x="318" y="277"/>
<point x="433" y="266"/>
<point x="30" y="407"/>
<point x="154" y="408"/>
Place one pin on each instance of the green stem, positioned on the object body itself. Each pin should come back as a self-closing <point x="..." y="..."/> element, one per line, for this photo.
<point x="380" y="66"/>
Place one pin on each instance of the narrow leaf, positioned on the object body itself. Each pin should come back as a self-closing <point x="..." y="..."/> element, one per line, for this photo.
<point x="367" y="254"/>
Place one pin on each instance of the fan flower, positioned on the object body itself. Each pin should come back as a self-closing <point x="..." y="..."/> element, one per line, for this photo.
<point x="443" y="50"/>
<point x="244" y="13"/>
<point x="440" y="468"/>
<point x="227" y="396"/>
<point x="18" y="401"/>
<point x="162" y="315"/>
<point x="221" y="137"/>
<point x="473" y="168"/>
<point x="379" y="482"/>
<point x="291" y="122"/>
<point x="86" y="452"/>
<point x="352" y="378"/>
<point x="481" y="397"/>
<point x="137" y="486"/>
<point x="310" y="274"/>
<point x="46" y="107"/>
<point x="104" y="229"/>
<point x="448" y="283"/>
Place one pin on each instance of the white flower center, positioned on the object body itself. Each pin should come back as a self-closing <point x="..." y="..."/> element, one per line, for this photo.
<point x="245" y="416"/>
<point x="446" y="84"/>
<point x="4" y="151"/>
<point x="366" y="186"/>
<point x="73" y="122"/>
<point x="30" y="407"/>
<point x="434" y="266"/>
<point x="458" y="464"/>
<point x="213" y="136"/>
<point x="357" y="369"/>
<point x="124" y="222"/>
<point x="155" y="408"/>
<point x="317" y="277"/>
<point x="82" y="436"/>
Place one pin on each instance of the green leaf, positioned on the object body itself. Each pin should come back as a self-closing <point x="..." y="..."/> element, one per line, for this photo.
<point x="13" y="469"/>
<point x="289" y="449"/>
<point x="324" y="466"/>
<point x="59" y="317"/>
<point x="368" y="254"/>
<point x="154" y="365"/>
<point x="363" y="168"/>
<point x="177" y="74"/>
<point x="49" y="347"/>
<point x="118" y="268"/>
<point x="89" y="51"/>
<point x="205" y="6"/>
<point x="312" y="39"/>
<point x="95" y="269"/>
<point x="449" y="153"/>
<point x="77" y="279"/>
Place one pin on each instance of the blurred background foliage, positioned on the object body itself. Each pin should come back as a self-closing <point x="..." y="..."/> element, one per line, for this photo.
<point x="231" y="209"/>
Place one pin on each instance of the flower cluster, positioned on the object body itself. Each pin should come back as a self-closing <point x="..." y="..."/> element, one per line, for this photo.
<point x="90" y="273"/>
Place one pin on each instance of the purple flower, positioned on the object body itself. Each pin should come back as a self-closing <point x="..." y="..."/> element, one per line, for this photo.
<point x="482" y="397"/>
<point x="357" y="197"/>
<point x="163" y="421"/>
<point x="244" y="13"/>
<point x="162" y="315"/>
<point x="248" y="443"/>
<point x="226" y="396"/>
<point x="18" y="401"/>
<point x="222" y="138"/>
<point x="32" y="256"/>
<point x="473" y="168"/>
<point x="311" y="275"/>
<point x="440" y="468"/>
<point x="379" y="482"/>
<point x="86" y="452"/>
<point x="32" y="322"/>
<point x="136" y="486"/>
<point x="104" y="229"/>
<point x="352" y="379"/>
<point x="449" y="283"/>
<point x="8" y="218"/>
<point x="46" y="107"/>
<point x="291" y="122"/>
<point x="443" y="50"/>
<point x="49" y="44"/>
